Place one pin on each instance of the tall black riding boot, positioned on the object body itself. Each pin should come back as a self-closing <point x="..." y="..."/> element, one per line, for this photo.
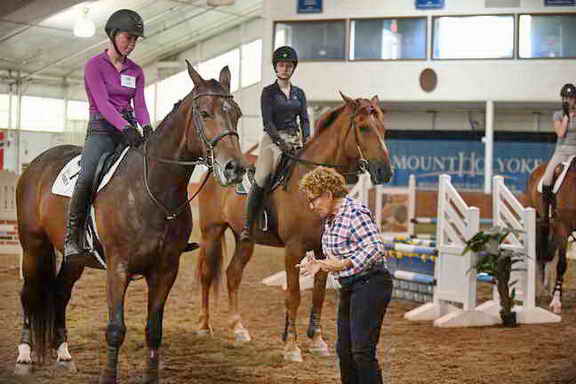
<point x="74" y="249"/>
<point x="548" y="200"/>
<point x="254" y="208"/>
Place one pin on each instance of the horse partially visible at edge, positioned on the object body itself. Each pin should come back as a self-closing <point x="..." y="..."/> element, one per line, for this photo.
<point x="349" y="138"/>
<point x="552" y="239"/>
<point x="142" y="217"/>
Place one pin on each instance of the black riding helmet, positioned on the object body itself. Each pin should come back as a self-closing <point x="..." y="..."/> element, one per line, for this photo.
<point x="124" y="20"/>
<point x="285" y="53"/>
<point x="568" y="90"/>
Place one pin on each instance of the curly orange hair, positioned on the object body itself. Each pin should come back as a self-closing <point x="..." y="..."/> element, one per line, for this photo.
<point x="323" y="179"/>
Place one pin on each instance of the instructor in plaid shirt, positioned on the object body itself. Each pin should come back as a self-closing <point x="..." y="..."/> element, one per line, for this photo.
<point x="355" y="254"/>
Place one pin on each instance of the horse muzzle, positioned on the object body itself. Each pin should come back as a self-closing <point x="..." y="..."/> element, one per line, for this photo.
<point x="230" y="173"/>
<point x="380" y="171"/>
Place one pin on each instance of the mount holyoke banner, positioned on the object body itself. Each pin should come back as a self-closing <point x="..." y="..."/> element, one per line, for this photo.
<point x="463" y="160"/>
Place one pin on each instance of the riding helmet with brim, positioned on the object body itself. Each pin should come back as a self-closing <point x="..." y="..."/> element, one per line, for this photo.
<point x="124" y="20"/>
<point x="568" y="90"/>
<point x="285" y="53"/>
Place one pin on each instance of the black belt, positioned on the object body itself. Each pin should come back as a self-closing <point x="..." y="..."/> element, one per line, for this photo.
<point x="364" y="275"/>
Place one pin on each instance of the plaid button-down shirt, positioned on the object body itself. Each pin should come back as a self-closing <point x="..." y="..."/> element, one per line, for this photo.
<point x="353" y="234"/>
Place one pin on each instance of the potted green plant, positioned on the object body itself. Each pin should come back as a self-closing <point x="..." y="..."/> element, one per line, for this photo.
<point x="498" y="263"/>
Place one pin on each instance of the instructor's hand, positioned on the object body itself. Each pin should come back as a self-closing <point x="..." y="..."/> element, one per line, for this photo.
<point x="332" y="265"/>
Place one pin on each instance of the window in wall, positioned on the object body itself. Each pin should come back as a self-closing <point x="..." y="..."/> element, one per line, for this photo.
<point x="210" y="69"/>
<point x="170" y="90"/>
<point x="473" y="37"/>
<point x="251" y="63"/>
<point x="42" y="114"/>
<point x="547" y="36"/>
<point x="78" y="110"/>
<point x="4" y="110"/>
<point x="313" y="40"/>
<point x="388" y="39"/>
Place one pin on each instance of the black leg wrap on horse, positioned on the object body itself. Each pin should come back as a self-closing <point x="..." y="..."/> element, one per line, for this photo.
<point x="60" y="336"/>
<point x="154" y="330"/>
<point x="26" y="336"/>
<point x="115" y="335"/>
<point x="313" y="325"/>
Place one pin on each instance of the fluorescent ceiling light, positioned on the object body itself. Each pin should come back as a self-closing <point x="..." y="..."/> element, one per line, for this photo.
<point x="84" y="27"/>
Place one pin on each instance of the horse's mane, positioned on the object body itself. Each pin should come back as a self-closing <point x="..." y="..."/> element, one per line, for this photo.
<point x="328" y="118"/>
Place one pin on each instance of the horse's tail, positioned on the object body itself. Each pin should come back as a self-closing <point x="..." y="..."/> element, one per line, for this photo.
<point x="209" y="266"/>
<point x="38" y="298"/>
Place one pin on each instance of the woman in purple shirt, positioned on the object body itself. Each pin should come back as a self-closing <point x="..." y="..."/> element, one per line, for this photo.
<point x="115" y="88"/>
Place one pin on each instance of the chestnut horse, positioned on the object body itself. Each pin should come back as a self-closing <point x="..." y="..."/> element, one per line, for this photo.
<point x="349" y="138"/>
<point x="143" y="220"/>
<point x="553" y="238"/>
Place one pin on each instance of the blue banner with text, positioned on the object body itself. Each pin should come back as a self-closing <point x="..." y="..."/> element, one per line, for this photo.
<point x="463" y="160"/>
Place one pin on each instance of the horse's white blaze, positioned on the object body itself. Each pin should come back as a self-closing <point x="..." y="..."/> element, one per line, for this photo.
<point x="380" y="138"/>
<point x="63" y="353"/>
<point x="24" y="354"/>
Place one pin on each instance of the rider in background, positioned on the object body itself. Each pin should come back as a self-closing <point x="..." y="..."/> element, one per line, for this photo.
<point x="113" y="82"/>
<point x="281" y="104"/>
<point x="565" y="128"/>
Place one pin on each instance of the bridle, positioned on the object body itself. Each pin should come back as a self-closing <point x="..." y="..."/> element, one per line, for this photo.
<point x="362" y="163"/>
<point x="209" y="160"/>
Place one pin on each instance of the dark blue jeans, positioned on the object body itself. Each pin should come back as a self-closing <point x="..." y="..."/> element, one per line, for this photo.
<point x="101" y="137"/>
<point x="361" y="310"/>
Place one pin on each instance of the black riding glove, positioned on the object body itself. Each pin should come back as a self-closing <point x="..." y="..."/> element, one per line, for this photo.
<point x="147" y="129"/>
<point x="132" y="136"/>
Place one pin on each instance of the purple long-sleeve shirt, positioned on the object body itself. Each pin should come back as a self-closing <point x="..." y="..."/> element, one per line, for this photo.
<point x="110" y="92"/>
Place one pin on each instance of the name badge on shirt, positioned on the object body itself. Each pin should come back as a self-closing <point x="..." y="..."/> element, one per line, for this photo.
<point x="128" y="81"/>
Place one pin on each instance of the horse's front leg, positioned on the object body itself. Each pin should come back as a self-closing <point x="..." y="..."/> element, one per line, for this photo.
<point x="117" y="283"/>
<point x="556" y="303"/>
<point x="234" y="272"/>
<point x="318" y="346"/>
<point x="67" y="277"/>
<point x="160" y="283"/>
<point x="293" y="256"/>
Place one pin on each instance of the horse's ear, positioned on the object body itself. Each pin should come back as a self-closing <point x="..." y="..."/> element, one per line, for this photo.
<point x="195" y="76"/>
<point x="225" y="77"/>
<point x="376" y="101"/>
<point x="349" y="101"/>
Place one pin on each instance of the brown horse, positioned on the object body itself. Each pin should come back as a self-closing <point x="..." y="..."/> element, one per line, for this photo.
<point x="553" y="238"/>
<point x="349" y="138"/>
<point x="142" y="217"/>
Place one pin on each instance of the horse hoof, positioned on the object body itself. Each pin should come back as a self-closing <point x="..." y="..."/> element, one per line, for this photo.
<point x="23" y="369"/>
<point x="556" y="309"/>
<point x="203" y="332"/>
<point x="150" y="379"/>
<point x="242" y="336"/>
<point x="321" y="351"/>
<point x="295" y="356"/>
<point x="107" y="379"/>
<point x="67" y="365"/>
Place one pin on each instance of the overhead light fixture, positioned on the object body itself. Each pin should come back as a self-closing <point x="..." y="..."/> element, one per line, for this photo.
<point x="84" y="27"/>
